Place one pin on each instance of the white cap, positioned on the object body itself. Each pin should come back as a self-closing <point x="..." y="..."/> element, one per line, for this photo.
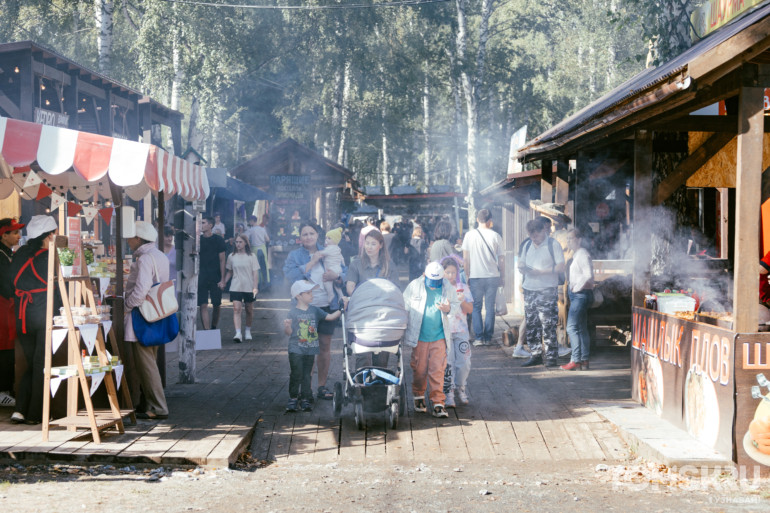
<point x="434" y="271"/>
<point x="39" y="225"/>
<point x="146" y="231"/>
<point x="300" y="286"/>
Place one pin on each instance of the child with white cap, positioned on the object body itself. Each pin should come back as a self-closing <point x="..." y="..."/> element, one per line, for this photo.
<point x="302" y="328"/>
<point x="430" y="301"/>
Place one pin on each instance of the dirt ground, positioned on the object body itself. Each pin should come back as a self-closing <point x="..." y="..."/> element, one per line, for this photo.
<point x="378" y="486"/>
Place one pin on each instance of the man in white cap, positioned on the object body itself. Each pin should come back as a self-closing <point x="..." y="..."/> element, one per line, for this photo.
<point x="150" y="266"/>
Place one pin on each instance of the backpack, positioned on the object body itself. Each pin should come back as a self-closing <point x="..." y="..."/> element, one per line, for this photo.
<point x="524" y="247"/>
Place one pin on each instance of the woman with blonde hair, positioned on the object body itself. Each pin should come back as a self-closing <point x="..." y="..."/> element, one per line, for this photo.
<point x="242" y="266"/>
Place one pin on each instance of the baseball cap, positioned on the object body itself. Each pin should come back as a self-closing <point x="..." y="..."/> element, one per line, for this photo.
<point x="300" y="286"/>
<point x="39" y="225"/>
<point x="434" y="275"/>
<point x="146" y="231"/>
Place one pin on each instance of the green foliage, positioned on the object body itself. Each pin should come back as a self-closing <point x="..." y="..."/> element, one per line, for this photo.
<point x="274" y="73"/>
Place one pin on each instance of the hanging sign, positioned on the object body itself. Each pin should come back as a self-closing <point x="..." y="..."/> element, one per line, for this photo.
<point x="49" y="117"/>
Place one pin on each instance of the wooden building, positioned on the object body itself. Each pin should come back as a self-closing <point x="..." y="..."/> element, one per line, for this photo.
<point x="701" y="374"/>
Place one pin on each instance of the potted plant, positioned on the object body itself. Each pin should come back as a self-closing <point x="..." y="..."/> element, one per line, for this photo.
<point x="66" y="258"/>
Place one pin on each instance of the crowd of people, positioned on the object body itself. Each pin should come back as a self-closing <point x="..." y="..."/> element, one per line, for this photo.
<point x="450" y="298"/>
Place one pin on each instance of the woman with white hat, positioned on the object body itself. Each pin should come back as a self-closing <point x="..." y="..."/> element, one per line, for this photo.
<point x="29" y="271"/>
<point x="150" y="266"/>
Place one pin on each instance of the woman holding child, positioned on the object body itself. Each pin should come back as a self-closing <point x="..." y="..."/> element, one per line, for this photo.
<point x="306" y="263"/>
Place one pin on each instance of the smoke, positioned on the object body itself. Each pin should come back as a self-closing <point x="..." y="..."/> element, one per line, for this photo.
<point x="678" y="262"/>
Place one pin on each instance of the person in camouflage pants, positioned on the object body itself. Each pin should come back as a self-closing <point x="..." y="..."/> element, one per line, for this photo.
<point x="541" y="311"/>
<point x="541" y="259"/>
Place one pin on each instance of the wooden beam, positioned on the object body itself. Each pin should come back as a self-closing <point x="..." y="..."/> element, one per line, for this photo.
<point x="91" y="89"/>
<point x="71" y="101"/>
<point x="51" y="72"/>
<point x="731" y="54"/>
<point x="9" y="107"/>
<point x="642" y="227"/>
<point x="748" y="194"/>
<point x="690" y="165"/>
<point x="546" y="181"/>
<point x="27" y="87"/>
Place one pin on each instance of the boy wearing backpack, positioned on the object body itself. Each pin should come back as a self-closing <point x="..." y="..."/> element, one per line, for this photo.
<point x="541" y="262"/>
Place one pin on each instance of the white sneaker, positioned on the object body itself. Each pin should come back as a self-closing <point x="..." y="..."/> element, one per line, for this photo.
<point x="462" y="395"/>
<point x="440" y="411"/>
<point x="520" y="352"/>
<point x="478" y="342"/>
<point x="450" y="399"/>
<point x="564" y="351"/>
<point x="237" y="337"/>
<point x="247" y="334"/>
<point x="7" y="400"/>
<point x="17" y="418"/>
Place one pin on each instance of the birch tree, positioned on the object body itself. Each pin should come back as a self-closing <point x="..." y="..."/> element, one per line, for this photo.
<point x="103" y="10"/>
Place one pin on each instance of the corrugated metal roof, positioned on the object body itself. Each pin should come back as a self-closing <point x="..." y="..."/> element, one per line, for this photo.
<point x="646" y="80"/>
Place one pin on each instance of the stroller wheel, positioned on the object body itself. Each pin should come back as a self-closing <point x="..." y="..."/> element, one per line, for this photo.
<point x="402" y="399"/>
<point x="360" y="423"/>
<point x="393" y="411"/>
<point x="337" y="399"/>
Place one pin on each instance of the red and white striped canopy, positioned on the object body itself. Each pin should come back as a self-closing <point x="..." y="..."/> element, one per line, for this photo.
<point x="93" y="156"/>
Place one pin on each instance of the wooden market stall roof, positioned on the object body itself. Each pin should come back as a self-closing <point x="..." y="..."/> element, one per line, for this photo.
<point x="661" y="98"/>
<point x="27" y="66"/>
<point x="730" y="64"/>
<point x="290" y="157"/>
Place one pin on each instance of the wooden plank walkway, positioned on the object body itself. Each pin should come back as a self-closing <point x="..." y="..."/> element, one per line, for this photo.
<point x="238" y="403"/>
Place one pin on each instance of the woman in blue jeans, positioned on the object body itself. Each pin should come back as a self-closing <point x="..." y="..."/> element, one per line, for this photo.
<point x="581" y="295"/>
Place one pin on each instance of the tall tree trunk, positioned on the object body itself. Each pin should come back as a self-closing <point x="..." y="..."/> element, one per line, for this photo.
<point x="426" y="125"/>
<point x="472" y="88"/>
<point x="194" y="134"/>
<point x="385" y="162"/>
<point x="104" y="10"/>
<point x="339" y="79"/>
<point x="344" y="113"/>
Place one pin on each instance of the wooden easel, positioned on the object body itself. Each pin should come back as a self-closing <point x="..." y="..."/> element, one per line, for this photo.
<point x="77" y="291"/>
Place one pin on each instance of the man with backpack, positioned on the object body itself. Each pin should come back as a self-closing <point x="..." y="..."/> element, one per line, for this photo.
<point x="541" y="262"/>
<point x="485" y="267"/>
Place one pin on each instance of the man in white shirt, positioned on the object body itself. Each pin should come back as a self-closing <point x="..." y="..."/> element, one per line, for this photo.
<point x="541" y="261"/>
<point x="485" y="268"/>
<point x="259" y="239"/>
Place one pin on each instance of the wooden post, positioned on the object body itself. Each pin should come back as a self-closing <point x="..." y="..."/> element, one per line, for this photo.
<point x="748" y="186"/>
<point x="642" y="202"/>
<point x="546" y="181"/>
<point x="562" y="182"/>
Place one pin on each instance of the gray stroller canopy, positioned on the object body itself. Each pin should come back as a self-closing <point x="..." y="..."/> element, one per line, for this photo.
<point x="376" y="311"/>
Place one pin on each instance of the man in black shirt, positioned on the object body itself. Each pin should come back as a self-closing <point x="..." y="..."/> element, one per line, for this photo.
<point x="211" y="274"/>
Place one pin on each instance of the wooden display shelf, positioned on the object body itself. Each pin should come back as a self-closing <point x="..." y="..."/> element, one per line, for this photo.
<point x="104" y="419"/>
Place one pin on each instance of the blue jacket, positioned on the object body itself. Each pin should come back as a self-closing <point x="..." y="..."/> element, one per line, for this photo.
<point x="294" y="270"/>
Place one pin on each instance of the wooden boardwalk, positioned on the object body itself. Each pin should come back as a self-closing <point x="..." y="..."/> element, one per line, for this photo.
<point x="239" y="400"/>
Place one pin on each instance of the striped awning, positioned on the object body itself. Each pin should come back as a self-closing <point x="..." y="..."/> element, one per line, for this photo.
<point x="93" y="157"/>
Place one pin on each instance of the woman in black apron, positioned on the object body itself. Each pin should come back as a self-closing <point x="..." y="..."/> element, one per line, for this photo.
<point x="29" y="269"/>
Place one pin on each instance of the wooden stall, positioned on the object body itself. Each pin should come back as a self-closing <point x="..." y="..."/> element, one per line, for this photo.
<point x="702" y="372"/>
<point x="304" y="185"/>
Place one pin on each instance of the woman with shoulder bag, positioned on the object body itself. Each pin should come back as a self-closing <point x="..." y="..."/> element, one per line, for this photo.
<point x="581" y="296"/>
<point x="150" y="266"/>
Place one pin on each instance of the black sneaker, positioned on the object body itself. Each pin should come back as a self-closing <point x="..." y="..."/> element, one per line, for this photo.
<point x="419" y="405"/>
<point x="291" y="406"/>
<point x="551" y="363"/>
<point x="440" y="411"/>
<point x="533" y="360"/>
<point x="306" y="405"/>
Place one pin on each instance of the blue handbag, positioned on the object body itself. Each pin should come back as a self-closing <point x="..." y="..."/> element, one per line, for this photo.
<point x="154" y="333"/>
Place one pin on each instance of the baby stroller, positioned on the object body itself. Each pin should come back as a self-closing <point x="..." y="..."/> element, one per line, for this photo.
<point x="375" y="321"/>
